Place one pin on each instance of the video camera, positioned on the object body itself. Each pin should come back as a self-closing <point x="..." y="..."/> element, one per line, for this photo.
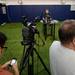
<point x="29" y="31"/>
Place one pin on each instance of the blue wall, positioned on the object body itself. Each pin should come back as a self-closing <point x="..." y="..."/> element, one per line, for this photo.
<point x="0" y="15"/>
<point x="3" y="17"/>
<point x="60" y="12"/>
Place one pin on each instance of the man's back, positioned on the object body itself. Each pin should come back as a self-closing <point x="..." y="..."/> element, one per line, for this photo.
<point x="62" y="59"/>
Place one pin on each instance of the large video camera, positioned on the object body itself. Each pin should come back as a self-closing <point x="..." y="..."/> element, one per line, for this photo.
<point x="28" y="31"/>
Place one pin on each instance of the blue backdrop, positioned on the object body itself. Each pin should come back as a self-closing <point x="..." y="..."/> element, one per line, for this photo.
<point x="59" y="12"/>
<point x="3" y="17"/>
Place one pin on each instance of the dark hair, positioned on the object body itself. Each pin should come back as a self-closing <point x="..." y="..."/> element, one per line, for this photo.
<point x="67" y="31"/>
<point x="3" y="39"/>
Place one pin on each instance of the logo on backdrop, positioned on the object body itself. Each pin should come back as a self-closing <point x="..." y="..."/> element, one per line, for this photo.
<point x="4" y="10"/>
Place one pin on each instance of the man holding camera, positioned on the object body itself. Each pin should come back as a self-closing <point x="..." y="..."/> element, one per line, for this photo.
<point x="12" y="63"/>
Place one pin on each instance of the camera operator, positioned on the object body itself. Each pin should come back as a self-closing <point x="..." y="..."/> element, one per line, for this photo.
<point x="46" y="22"/>
<point x="4" y="69"/>
<point x="47" y="18"/>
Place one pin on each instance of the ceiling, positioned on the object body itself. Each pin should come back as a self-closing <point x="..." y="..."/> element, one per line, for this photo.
<point x="8" y="2"/>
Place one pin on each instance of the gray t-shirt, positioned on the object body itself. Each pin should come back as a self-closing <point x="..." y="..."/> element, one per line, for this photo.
<point x="62" y="59"/>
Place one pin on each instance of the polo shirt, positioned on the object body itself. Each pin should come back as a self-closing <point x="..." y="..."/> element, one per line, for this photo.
<point x="62" y="59"/>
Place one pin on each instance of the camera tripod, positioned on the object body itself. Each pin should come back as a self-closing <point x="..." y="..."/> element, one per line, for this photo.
<point x="51" y="26"/>
<point x="25" y="60"/>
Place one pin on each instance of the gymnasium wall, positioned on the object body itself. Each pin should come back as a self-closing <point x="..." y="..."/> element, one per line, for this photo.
<point x="58" y="12"/>
<point x="3" y="14"/>
<point x="15" y="12"/>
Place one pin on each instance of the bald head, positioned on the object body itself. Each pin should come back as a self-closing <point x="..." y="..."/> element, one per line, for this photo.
<point x="67" y="31"/>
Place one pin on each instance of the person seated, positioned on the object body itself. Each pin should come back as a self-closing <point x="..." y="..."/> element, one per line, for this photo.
<point x="62" y="52"/>
<point x="4" y="69"/>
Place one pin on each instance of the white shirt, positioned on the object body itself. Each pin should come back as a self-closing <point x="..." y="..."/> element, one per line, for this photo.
<point x="62" y="59"/>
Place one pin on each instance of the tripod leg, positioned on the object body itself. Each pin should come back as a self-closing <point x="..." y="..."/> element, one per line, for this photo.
<point x="54" y="31"/>
<point x="42" y="62"/>
<point x="51" y="25"/>
<point x="31" y="64"/>
<point x="45" y="30"/>
<point x="28" y="54"/>
<point x="24" y="59"/>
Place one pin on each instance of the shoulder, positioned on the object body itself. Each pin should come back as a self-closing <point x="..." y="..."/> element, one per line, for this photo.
<point x="55" y="44"/>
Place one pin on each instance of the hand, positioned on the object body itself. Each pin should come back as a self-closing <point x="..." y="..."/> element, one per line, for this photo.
<point x="15" y="68"/>
<point x="6" y="64"/>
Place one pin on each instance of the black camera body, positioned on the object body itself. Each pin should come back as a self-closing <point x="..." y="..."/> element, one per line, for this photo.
<point x="28" y="32"/>
<point x="24" y="20"/>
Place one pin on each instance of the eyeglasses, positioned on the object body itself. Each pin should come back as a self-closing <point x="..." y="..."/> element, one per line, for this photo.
<point x="4" y="47"/>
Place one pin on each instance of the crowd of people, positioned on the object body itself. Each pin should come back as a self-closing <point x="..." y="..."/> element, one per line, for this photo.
<point x="61" y="52"/>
